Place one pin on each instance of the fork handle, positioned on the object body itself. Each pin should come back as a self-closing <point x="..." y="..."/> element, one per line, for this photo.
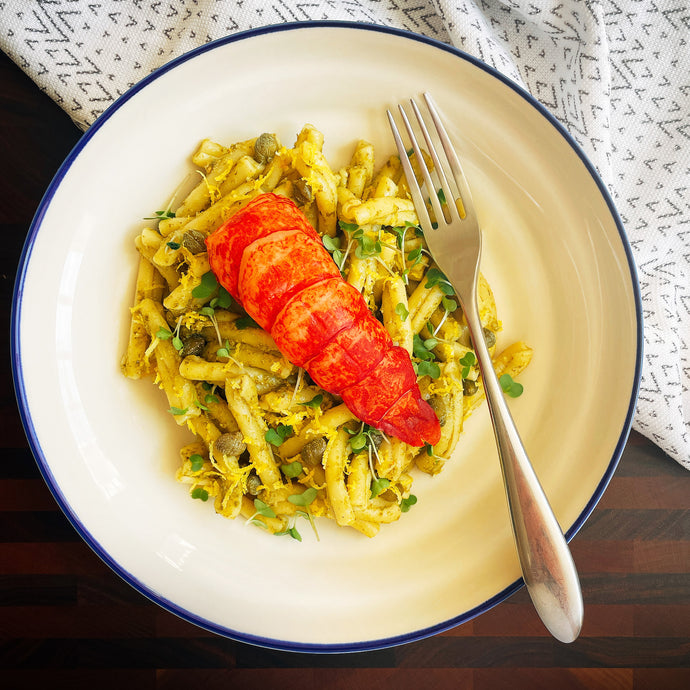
<point x="547" y="564"/>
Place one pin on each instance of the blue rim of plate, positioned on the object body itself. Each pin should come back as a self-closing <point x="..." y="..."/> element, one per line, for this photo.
<point x="43" y="463"/>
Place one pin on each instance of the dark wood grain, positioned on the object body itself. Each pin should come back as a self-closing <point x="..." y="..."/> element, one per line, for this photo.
<point x="66" y="620"/>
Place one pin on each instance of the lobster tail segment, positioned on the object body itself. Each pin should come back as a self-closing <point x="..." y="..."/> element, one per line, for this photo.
<point x="273" y="262"/>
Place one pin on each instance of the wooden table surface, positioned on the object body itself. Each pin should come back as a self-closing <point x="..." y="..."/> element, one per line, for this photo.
<point x="66" y="618"/>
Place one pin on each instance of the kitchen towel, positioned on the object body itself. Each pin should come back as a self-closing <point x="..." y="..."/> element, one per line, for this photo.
<point x="615" y="73"/>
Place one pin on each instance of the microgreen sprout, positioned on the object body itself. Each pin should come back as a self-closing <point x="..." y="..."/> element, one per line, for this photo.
<point x="449" y="304"/>
<point x="422" y="350"/>
<point x="365" y="438"/>
<point x="173" y="245"/>
<point x="196" y="461"/>
<point x="402" y="311"/>
<point x="436" y="277"/>
<point x="292" y="470"/>
<point x="304" y="500"/>
<point x="207" y="286"/>
<point x="176" y="411"/>
<point x="362" y="437"/>
<point x="224" y="351"/>
<point x="407" y="503"/>
<point x="510" y="387"/>
<point x="379" y="485"/>
<point x="314" y="403"/>
<point x="223" y="300"/>
<point x="415" y="255"/>
<point x="200" y="493"/>
<point x="278" y="435"/>
<point x="332" y="244"/>
<point x="262" y="509"/>
<point x="210" y="396"/>
<point x="467" y="360"/>
<point x="210" y="312"/>
<point x="292" y="531"/>
<point x="161" y="215"/>
<point x="366" y="246"/>
<point x="165" y="334"/>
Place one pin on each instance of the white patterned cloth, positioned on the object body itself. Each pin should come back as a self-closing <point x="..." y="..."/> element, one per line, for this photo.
<point x="616" y="73"/>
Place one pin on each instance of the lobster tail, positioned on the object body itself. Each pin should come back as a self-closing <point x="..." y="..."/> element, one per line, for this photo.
<point x="273" y="262"/>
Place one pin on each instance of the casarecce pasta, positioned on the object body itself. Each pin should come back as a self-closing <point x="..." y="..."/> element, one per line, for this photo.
<point x="267" y="445"/>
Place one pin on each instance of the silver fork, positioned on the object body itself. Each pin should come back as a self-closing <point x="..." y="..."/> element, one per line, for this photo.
<point x="455" y="244"/>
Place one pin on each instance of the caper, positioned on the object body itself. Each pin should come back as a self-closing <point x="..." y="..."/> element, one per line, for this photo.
<point x="265" y="147"/>
<point x="489" y="337"/>
<point x="193" y="345"/>
<point x="253" y="484"/>
<point x="312" y="452"/>
<point x="231" y="443"/>
<point x="194" y="241"/>
<point x="469" y="387"/>
<point x="440" y="406"/>
<point x="301" y="191"/>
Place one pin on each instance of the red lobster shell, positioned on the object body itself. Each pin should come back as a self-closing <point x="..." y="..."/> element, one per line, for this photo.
<point x="270" y="259"/>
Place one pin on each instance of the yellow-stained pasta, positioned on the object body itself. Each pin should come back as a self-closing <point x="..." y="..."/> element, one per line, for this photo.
<point x="266" y="444"/>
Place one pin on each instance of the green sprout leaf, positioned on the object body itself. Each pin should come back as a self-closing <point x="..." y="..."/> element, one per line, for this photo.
<point x="177" y="411"/>
<point x="292" y="470"/>
<point x="332" y="244"/>
<point x="163" y="334"/>
<point x="426" y="368"/>
<point x="291" y="531"/>
<point x="348" y="227"/>
<point x="225" y="350"/>
<point x="379" y="485"/>
<point x="435" y="277"/>
<point x="200" y="493"/>
<point x="407" y="503"/>
<point x="420" y="349"/>
<point x="263" y="509"/>
<point x="449" y="304"/>
<point x="401" y="311"/>
<point x="366" y="246"/>
<point x="305" y="498"/>
<point x="173" y="245"/>
<point x="510" y="387"/>
<point x="467" y="360"/>
<point x="315" y="402"/>
<point x="224" y="299"/>
<point x="161" y="215"/>
<point x="278" y="435"/>
<point x="207" y="286"/>
<point x="358" y="442"/>
<point x="197" y="462"/>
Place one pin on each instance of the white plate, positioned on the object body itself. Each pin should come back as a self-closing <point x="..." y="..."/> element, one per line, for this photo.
<point x="555" y="254"/>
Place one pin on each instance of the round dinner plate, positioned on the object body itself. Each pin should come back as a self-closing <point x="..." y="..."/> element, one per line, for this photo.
<point x="554" y="252"/>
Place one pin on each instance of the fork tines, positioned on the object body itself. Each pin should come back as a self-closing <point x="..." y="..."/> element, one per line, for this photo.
<point x="436" y="181"/>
